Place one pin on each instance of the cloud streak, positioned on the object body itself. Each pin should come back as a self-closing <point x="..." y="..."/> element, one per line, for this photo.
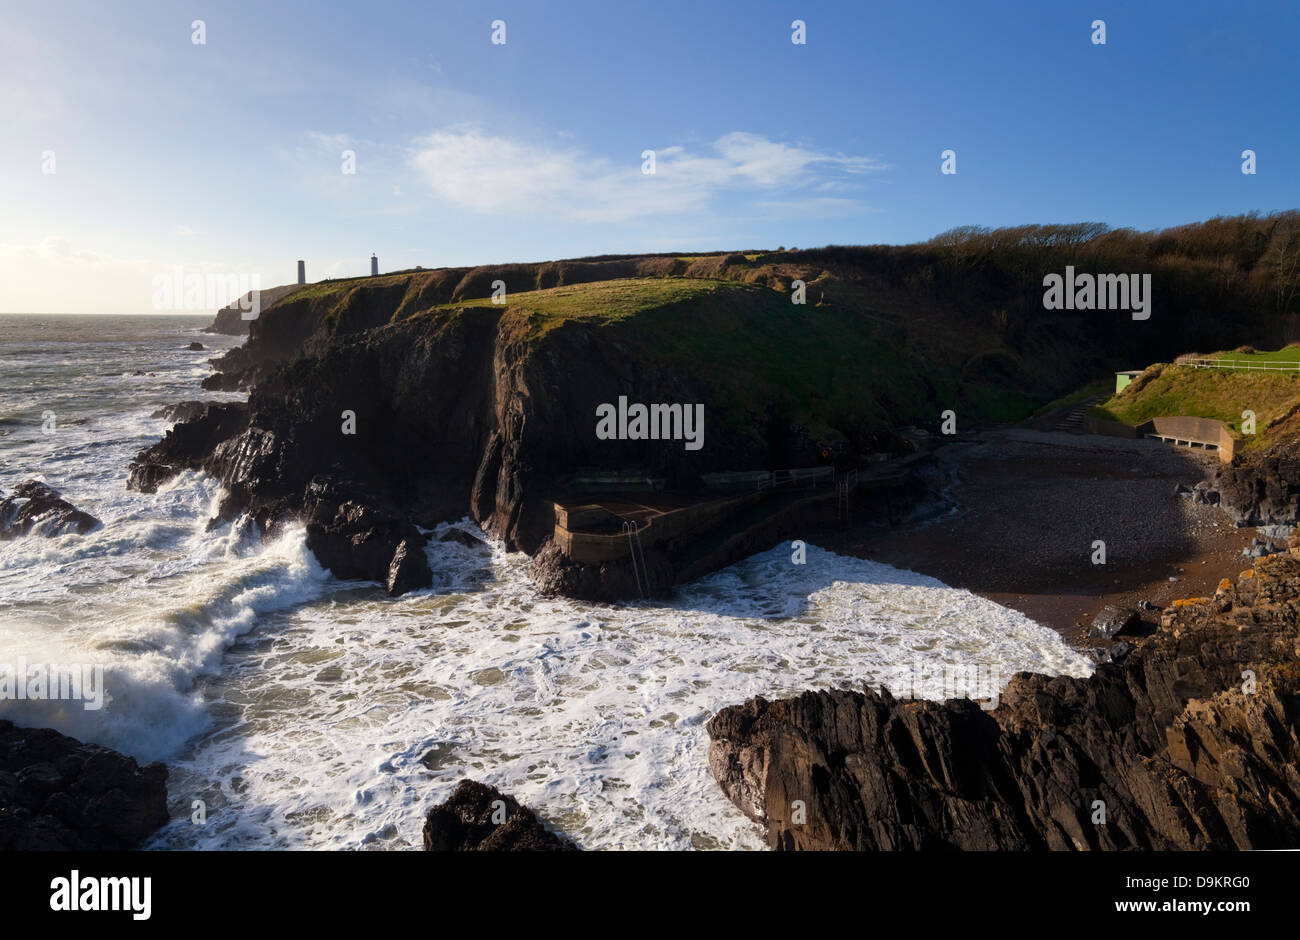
<point x="468" y="168"/>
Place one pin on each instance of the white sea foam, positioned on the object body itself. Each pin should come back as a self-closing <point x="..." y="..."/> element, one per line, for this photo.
<point x="358" y="716"/>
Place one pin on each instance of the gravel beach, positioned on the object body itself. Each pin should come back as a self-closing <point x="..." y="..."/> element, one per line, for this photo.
<point x="1029" y="506"/>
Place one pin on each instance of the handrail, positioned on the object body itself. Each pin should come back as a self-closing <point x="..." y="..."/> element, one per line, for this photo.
<point x="1206" y="363"/>
<point x="634" y="543"/>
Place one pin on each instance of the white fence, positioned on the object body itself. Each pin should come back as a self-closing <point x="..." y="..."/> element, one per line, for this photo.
<point x="1246" y="364"/>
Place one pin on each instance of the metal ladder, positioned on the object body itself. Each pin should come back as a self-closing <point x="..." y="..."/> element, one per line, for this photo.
<point x="847" y="485"/>
<point x="634" y="548"/>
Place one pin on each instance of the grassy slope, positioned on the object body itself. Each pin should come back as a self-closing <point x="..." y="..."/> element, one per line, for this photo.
<point x="1210" y="393"/>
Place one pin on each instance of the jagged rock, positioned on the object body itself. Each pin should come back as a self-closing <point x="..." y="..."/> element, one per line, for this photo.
<point x="195" y="347"/>
<point x="409" y="569"/>
<point x="1146" y="605"/>
<point x="58" y="794"/>
<point x="35" y="508"/>
<point x="363" y="541"/>
<point x="1112" y="620"/>
<point x="1262" y="489"/>
<point x="1182" y="752"/>
<point x="465" y="823"/>
<point x="187" y="446"/>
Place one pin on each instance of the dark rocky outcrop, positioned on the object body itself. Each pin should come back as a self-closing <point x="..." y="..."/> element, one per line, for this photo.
<point x="195" y="347"/>
<point x="1259" y="488"/>
<point x="465" y="823"/>
<point x="355" y="538"/>
<point x="1191" y="741"/>
<point x="58" y="794"/>
<point x="187" y="446"/>
<point x="35" y="508"/>
<point x="554" y="573"/>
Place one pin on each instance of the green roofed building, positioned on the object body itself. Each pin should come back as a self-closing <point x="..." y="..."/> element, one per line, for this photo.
<point x="1123" y="378"/>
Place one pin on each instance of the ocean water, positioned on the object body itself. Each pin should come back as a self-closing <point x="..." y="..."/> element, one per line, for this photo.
<point x="305" y="712"/>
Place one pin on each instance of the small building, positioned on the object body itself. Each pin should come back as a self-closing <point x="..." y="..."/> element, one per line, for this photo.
<point x="1122" y="379"/>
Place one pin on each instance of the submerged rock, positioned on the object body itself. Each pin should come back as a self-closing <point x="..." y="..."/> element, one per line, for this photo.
<point x="58" y="794"/>
<point x="35" y="508"/>
<point x="480" y="818"/>
<point x="195" y="347"/>
<point x="1191" y="741"/>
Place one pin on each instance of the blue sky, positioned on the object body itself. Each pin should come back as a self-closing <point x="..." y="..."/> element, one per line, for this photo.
<point x="227" y="156"/>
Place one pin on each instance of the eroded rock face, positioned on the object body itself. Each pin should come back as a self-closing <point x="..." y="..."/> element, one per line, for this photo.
<point x="58" y="794"/>
<point x="1182" y="752"/>
<point x="465" y="823"/>
<point x="37" y="509"/>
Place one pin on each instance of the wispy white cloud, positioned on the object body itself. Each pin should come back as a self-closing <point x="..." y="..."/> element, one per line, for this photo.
<point x="469" y="168"/>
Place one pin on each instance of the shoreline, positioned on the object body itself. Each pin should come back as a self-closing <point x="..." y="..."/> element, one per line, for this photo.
<point x="1029" y="507"/>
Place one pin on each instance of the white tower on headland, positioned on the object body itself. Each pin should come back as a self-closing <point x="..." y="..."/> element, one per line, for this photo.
<point x="302" y="272"/>
<point x="374" y="266"/>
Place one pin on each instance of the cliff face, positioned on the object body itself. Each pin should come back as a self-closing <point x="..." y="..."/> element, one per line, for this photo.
<point x="455" y="411"/>
<point x="1181" y="748"/>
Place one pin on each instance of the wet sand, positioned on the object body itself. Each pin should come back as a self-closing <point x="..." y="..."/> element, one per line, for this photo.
<point x="1029" y="507"/>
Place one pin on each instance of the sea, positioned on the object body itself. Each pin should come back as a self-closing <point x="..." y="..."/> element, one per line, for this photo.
<point x="297" y="711"/>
